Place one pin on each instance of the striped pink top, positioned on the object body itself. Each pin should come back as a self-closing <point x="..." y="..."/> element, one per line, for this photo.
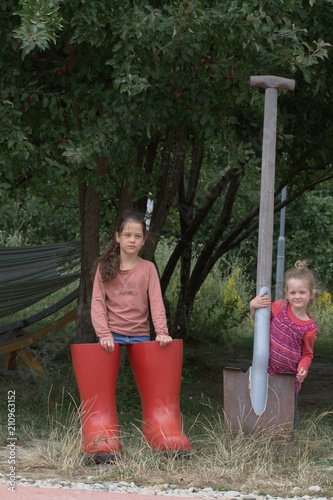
<point x="291" y="341"/>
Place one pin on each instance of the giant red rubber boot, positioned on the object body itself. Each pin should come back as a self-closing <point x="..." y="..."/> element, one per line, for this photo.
<point x="96" y="374"/>
<point x="157" y="372"/>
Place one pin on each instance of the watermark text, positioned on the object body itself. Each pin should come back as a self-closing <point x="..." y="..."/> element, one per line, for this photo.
<point x="11" y="440"/>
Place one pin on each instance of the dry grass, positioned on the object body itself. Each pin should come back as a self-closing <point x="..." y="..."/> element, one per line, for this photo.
<point x="61" y="450"/>
<point x="253" y="464"/>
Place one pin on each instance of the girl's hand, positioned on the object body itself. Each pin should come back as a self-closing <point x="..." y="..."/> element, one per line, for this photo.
<point x="260" y="301"/>
<point x="163" y="340"/>
<point x="107" y="344"/>
<point x="301" y="374"/>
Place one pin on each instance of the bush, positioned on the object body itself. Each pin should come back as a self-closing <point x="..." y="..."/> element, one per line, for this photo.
<point x="323" y="314"/>
<point x="221" y="310"/>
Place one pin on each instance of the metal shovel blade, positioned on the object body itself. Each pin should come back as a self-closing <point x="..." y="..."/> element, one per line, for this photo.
<point x="278" y="416"/>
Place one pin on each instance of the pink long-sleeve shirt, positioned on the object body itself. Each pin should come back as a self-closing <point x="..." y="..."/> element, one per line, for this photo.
<point x="122" y="304"/>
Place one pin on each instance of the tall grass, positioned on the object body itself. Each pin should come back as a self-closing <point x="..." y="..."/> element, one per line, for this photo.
<point x="60" y="449"/>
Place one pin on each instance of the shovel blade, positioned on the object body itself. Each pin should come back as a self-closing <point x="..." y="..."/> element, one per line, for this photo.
<point x="279" y="414"/>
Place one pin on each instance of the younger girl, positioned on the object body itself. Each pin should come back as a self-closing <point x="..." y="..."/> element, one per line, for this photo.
<point x="126" y="288"/>
<point x="293" y="331"/>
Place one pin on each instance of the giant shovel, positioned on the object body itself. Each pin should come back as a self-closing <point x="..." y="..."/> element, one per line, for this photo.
<point x="255" y="401"/>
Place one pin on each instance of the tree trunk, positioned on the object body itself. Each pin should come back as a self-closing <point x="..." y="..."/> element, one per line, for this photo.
<point x="185" y="205"/>
<point x="203" y="264"/>
<point x="89" y="214"/>
<point x="194" y="226"/>
<point x="171" y="170"/>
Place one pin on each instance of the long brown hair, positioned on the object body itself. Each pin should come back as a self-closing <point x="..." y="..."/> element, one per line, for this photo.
<point x="109" y="261"/>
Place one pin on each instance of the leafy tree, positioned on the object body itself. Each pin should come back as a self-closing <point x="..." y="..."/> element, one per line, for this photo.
<point x="135" y="101"/>
<point x="309" y="235"/>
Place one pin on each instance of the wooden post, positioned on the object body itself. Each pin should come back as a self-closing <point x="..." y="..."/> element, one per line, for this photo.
<point x="266" y="212"/>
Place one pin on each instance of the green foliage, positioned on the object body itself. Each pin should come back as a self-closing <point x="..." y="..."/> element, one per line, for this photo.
<point x="309" y="233"/>
<point x="40" y="20"/>
<point x="308" y="236"/>
<point x="221" y="309"/>
<point x="34" y="219"/>
<point x="133" y="71"/>
<point x="323" y="314"/>
<point x="181" y="61"/>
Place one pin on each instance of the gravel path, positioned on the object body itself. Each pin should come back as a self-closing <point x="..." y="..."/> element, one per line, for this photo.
<point x="158" y="489"/>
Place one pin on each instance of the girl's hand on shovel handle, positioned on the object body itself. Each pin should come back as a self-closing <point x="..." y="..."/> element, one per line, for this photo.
<point x="258" y="302"/>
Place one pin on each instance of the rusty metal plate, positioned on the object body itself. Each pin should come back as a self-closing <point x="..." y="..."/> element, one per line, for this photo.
<point x="278" y="416"/>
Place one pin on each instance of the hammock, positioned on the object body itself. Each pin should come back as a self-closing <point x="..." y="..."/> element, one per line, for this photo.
<point x="28" y="274"/>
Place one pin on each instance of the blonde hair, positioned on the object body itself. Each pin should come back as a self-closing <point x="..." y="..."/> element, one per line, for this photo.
<point x="302" y="272"/>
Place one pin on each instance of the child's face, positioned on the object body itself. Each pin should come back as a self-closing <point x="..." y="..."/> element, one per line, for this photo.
<point x="131" y="239"/>
<point x="298" y="294"/>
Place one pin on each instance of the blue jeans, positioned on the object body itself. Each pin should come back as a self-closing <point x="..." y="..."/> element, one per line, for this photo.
<point x="124" y="339"/>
